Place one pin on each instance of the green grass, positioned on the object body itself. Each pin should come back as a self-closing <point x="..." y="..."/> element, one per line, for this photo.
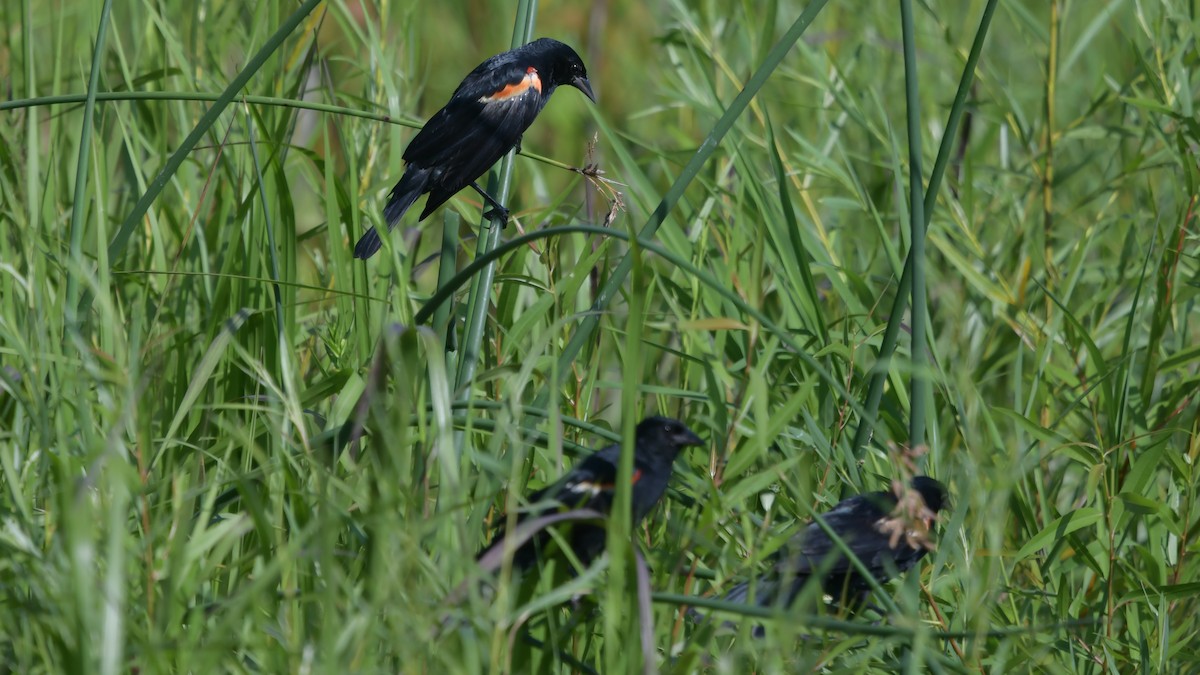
<point x="186" y="344"/>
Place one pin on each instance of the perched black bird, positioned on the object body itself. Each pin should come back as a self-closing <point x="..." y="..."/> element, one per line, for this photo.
<point x="888" y="539"/>
<point x="484" y="119"/>
<point x="591" y="485"/>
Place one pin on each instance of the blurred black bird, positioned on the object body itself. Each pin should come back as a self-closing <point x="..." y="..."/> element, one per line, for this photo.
<point x="484" y="119"/>
<point x="888" y="532"/>
<point x="591" y="484"/>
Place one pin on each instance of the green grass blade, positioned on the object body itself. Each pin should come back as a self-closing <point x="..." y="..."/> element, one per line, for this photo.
<point x="204" y="370"/>
<point x="81" y="167"/>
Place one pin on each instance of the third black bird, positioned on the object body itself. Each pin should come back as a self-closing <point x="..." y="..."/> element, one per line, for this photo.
<point x="591" y="485"/>
<point x="879" y="534"/>
<point x="485" y="118"/>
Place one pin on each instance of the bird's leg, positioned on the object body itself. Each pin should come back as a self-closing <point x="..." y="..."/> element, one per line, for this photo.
<point x="497" y="210"/>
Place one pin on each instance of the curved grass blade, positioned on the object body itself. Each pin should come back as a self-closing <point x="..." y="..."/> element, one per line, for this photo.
<point x="858" y="627"/>
<point x="444" y="293"/>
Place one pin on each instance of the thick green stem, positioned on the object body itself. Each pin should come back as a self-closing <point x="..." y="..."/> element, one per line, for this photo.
<point x="888" y="346"/>
<point x="480" y="297"/>
<point x="920" y="374"/>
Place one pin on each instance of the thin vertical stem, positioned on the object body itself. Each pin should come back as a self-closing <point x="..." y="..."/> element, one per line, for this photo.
<point x="1048" y="172"/>
<point x="32" y="138"/>
<point x="81" y="171"/>
<point x="446" y="268"/>
<point x="920" y="310"/>
<point x="616" y="627"/>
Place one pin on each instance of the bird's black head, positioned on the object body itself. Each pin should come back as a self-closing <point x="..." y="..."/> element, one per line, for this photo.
<point x="665" y="435"/>
<point x="559" y="64"/>
<point x="933" y="492"/>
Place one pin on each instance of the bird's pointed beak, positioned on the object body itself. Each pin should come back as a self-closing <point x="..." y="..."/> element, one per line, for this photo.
<point x="688" y="437"/>
<point x="581" y="83"/>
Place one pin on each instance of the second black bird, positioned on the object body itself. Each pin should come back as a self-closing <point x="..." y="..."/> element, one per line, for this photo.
<point x="484" y="119"/>
<point x="591" y="485"/>
<point x="880" y="533"/>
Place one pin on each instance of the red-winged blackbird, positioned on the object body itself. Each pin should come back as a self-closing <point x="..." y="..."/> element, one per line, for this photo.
<point x="887" y="536"/>
<point x="484" y="119"/>
<point x="591" y="485"/>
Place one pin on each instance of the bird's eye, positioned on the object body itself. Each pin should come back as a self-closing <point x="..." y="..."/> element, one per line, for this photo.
<point x="670" y="428"/>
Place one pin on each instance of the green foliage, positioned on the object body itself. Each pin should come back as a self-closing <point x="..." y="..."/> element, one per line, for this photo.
<point x="226" y="446"/>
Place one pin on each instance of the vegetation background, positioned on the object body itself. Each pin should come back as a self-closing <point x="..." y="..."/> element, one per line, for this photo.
<point x="186" y="343"/>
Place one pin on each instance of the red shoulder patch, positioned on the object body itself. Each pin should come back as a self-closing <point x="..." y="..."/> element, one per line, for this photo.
<point x="510" y="91"/>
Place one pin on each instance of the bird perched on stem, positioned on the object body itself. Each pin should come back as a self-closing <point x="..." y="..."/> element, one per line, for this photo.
<point x="887" y="531"/>
<point x="485" y="118"/>
<point x="591" y="485"/>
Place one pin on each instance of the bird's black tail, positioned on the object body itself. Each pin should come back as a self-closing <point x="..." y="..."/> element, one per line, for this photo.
<point x="765" y="595"/>
<point x="411" y="185"/>
<point x="740" y="594"/>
